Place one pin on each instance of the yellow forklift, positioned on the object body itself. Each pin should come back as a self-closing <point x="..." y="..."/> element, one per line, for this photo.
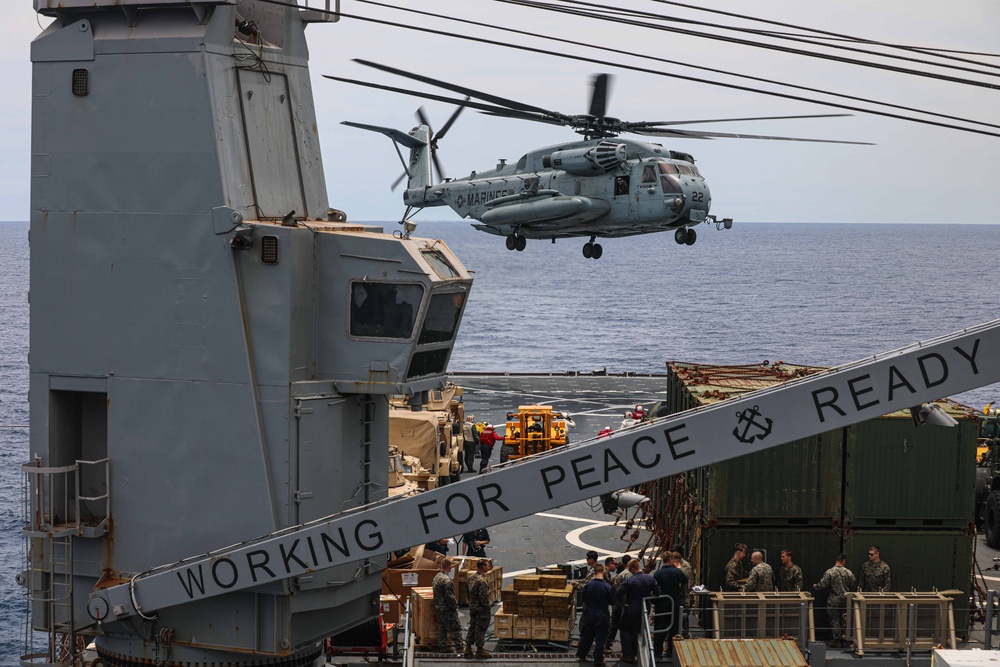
<point x="534" y="429"/>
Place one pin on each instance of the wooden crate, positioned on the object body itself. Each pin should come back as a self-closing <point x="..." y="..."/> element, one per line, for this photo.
<point x="521" y="621"/>
<point x="509" y="594"/>
<point x="559" y="635"/>
<point x="502" y="620"/>
<point x="425" y="622"/>
<point x="531" y="598"/>
<point x="531" y="612"/>
<point x="540" y="633"/>
<point x="527" y="582"/>
<point x="552" y="581"/>
<point x="509" y="607"/>
<point x="523" y="634"/>
<point x="539" y="623"/>
<point x="560" y="623"/>
<point x="503" y="632"/>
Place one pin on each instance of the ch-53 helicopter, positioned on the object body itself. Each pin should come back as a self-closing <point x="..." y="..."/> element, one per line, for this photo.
<point x="600" y="186"/>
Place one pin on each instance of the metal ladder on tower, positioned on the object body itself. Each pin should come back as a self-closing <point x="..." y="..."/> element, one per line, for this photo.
<point x="62" y="635"/>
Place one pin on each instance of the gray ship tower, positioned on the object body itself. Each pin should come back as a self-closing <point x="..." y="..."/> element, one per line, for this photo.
<point x="211" y="344"/>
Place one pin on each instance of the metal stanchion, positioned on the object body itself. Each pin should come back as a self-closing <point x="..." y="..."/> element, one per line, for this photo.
<point x="911" y="631"/>
<point x="803" y="626"/>
<point x="991" y="597"/>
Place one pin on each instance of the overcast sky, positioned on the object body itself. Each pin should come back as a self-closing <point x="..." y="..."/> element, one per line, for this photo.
<point x="915" y="173"/>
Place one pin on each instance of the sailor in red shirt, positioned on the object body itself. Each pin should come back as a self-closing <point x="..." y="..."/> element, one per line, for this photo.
<point x="487" y="439"/>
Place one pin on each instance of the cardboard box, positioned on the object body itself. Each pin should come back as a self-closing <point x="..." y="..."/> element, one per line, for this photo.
<point x="390" y="607"/>
<point x="399" y="582"/>
<point x="539" y="633"/>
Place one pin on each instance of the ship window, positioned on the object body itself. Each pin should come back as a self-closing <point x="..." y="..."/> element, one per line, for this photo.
<point x="440" y="265"/>
<point x="668" y="168"/>
<point x="269" y="249"/>
<point x="81" y="82"/>
<point x="384" y="310"/>
<point x="648" y="174"/>
<point x="428" y="362"/>
<point x="442" y="318"/>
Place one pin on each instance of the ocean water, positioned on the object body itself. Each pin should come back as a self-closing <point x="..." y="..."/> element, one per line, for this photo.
<point x="817" y="294"/>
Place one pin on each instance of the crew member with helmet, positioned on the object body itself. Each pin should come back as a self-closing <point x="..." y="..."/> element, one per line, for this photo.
<point x="605" y="432"/>
<point x="639" y="414"/>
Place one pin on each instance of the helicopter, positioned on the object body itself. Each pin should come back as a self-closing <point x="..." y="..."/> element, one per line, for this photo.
<point x="601" y="186"/>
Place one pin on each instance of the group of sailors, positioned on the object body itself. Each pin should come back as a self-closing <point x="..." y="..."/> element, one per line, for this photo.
<point x="876" y="576"/>
<point x="632" y="418"/>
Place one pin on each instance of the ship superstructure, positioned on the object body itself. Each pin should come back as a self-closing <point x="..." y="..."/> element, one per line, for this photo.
<point x="211" y="344"/>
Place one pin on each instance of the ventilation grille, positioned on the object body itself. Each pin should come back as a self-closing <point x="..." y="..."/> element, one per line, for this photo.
<point x="269" y="250"/>
<point x="81" y="82"/>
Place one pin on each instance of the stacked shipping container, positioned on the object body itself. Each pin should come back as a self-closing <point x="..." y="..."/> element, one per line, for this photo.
<point x="882" y="482"/>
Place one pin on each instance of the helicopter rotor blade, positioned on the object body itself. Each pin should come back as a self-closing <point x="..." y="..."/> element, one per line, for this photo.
<point x="599" y="98"/>
<point x="413" y="93"/>
<point x="650" y="123"/>
<point x="422" y="118"/>
<point x="395" y="183"/>
<point x="686" y="134"/>
<point x="494" y="99"/>
<point x="451" y="120"/>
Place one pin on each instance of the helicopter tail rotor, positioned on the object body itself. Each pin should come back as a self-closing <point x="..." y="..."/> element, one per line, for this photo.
<point x="423" y="120"/>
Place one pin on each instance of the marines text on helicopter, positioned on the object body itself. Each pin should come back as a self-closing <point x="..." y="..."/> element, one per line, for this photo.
<point x="600" y="186"/>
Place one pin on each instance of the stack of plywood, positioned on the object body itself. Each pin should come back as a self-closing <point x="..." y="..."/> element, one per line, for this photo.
<point x="535" y="607"/>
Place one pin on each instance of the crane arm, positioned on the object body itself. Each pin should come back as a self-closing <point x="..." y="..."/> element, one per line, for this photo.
<point x="756" y="421"/>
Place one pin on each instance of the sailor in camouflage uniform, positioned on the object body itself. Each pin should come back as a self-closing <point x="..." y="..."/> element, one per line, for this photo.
<point x="479" y="611"/>
<point x="840" y="581"/>
<point x="761" y="578"/>
<point x="734" y="568"/>
<point x="875" y="575"/>
<point x="446" y="606"/>
<point x="789" y="574"/>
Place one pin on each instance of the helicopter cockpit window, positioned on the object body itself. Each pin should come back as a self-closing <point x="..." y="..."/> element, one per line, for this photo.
<point x="686" y="169"/>
<point x="384" y="310"/>
<point x="667" y="168"/>
<point x="443" y="315"/>
<point x="440" y="264"/>
<point x="621" y="185"/>
<point x="522" y="163"/>
<point x="649" y="174"/>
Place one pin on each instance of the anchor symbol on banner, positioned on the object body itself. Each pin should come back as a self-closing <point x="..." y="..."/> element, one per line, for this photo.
<point x="748" y="418"/>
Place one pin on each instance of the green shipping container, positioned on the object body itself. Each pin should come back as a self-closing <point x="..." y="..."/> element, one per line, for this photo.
<point x="899" y="475"/>
<point x="814" y="550"/>
<point x="920" y="560"/>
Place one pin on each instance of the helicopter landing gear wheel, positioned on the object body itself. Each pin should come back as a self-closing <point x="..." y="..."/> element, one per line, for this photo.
<point x="512" y="242"/>
<point x="597" y="251"/>
<point x="692" y="236"/>
<point x="681" y="235"/>
<point x="520" y="243"/>
<point x="588" y="250"/>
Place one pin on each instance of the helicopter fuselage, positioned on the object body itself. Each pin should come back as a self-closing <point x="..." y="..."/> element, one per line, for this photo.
<point x="599" y="188"/>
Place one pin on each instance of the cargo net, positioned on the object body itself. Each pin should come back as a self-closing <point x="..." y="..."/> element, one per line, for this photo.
<point x="671" y="517"/>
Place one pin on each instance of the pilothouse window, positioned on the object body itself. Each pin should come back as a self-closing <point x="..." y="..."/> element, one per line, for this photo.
<point x="384" y="310"/>
<point x="442" y="319"/>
